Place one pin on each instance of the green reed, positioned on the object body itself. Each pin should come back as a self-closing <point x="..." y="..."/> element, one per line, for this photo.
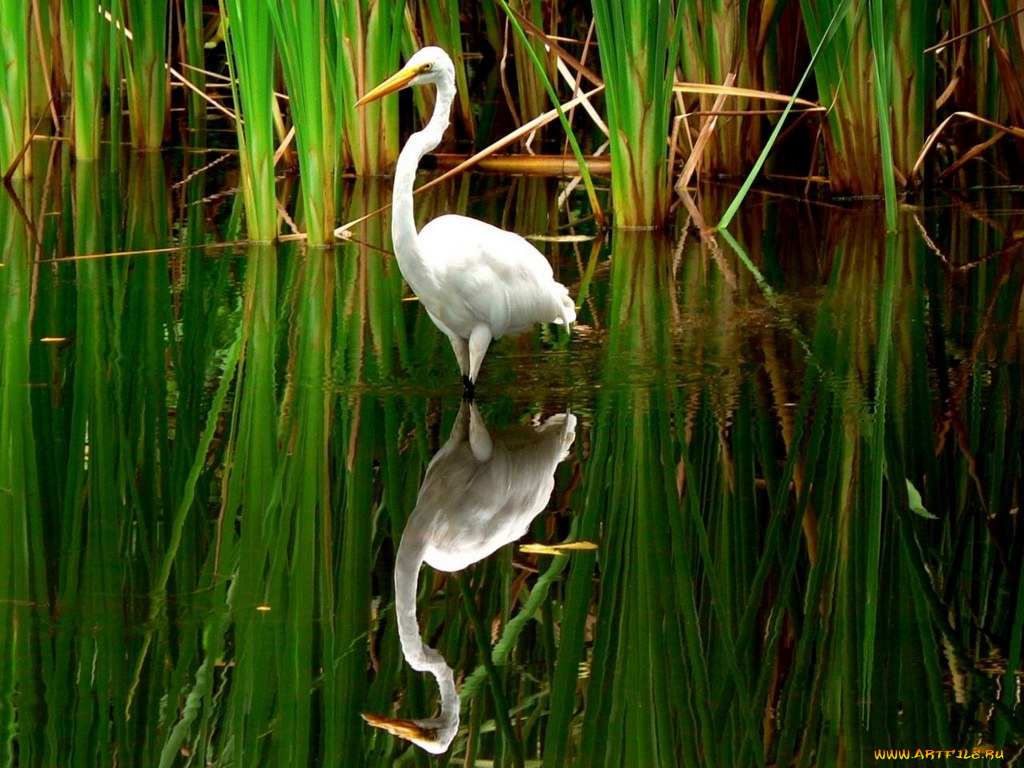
<point x="308" y="58"/>
<point x="531" y="96"/>
<point x="86" y="53"/>
<point x="718" y="39"/>
<point x="15" y="60"/>
<point x="883" y="79"/>
<point x="434" y="23"/>
<point x="369" y="47"/>
<point x="987" y="37"/>
<point x="145" y="57"/>
<point x="540" y="73"/>
<point x="192" y="59"/>
<point x="890" y="42"/>
<point x="251" y="59"/>
<point x="639" y="46"/>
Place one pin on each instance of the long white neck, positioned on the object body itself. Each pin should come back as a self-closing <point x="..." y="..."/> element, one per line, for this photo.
<point x="404" y="234"/>
<point x="418" y="654"/>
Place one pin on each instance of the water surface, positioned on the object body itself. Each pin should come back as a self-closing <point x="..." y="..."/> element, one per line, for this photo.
<point x="798" y="454"/>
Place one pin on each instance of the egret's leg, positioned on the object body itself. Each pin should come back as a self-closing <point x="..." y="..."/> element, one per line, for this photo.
<point x="479" y="340"/>
<point x="461" y="347"/>
<point x="460" y="430"/>
<point x="479" y="438"/>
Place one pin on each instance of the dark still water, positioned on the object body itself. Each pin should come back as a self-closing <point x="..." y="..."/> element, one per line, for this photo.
<point x="242" y="503"/>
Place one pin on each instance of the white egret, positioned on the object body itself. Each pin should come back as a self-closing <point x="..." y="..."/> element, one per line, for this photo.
<point x="479" y="493"/>
<point x="477" y="282"/>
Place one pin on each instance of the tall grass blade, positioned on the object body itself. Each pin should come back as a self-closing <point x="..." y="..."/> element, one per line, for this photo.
<point x="303" y="31"/>
<point x="15" y="61"/>
<point x="251" y="51"/>
<point x="639" y="45"/>
<point x="570" y="136"/>
<point x="145" y="58"/>
<point x="370" y="43"/>
<point x="882" y="29"/>
<point x="823" y="43"/>
<point x="89" y="34"/>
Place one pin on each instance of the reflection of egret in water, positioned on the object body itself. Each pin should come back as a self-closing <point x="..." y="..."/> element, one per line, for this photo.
<point x="479" y="493"/>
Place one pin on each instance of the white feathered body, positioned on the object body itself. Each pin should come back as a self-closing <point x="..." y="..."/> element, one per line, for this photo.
<point x="483" y="274"/>
<point x="476" y="281"/>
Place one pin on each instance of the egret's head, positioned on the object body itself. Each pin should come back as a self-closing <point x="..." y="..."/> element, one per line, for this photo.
<point x="434" y="735"/>
<point x="427" y="65"/>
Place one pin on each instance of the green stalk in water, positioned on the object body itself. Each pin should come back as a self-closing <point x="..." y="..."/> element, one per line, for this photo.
<point x="308" y="54"/>
<point x="89" y="35"/>
<point x="370" y="42"/>
<point x="873" y="76"/>
<point x="14" y="95"/>
<point x="250" y="45"/>
<point x="639" y="44"/>
<point x="144" y="53"/>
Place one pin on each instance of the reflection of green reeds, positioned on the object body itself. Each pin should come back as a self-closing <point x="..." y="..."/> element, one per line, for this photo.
<point x="370" y="312"/>
<point x="803" y="500"/>
<point x="146" y="343"/>
<point x="22" y="522"/>
<point x="93" y="567"/>
<point x="630" y="507"/>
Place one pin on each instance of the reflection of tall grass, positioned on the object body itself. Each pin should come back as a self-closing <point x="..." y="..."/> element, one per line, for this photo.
<point x="92" y="565"/>
<point x="240" y="582"/>
<point x="637" y="657"/>
<point x="22" y="521"/>
<point x="147" y="424"/>
<point x="370" y="317"/>
<point x="828" y="624"/>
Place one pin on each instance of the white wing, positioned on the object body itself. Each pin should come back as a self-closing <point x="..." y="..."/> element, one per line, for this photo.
<point x="489" y="275"/>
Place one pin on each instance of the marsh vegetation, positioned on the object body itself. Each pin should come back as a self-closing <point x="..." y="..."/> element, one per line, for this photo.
<point x="797" y="392"/>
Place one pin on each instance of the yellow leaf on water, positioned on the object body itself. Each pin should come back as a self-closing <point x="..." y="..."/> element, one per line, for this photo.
<point x="557" y="549"/>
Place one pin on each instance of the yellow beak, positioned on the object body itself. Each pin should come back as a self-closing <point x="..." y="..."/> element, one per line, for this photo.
<point x="396" y="82"/>
<point x="405" y="729"/>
